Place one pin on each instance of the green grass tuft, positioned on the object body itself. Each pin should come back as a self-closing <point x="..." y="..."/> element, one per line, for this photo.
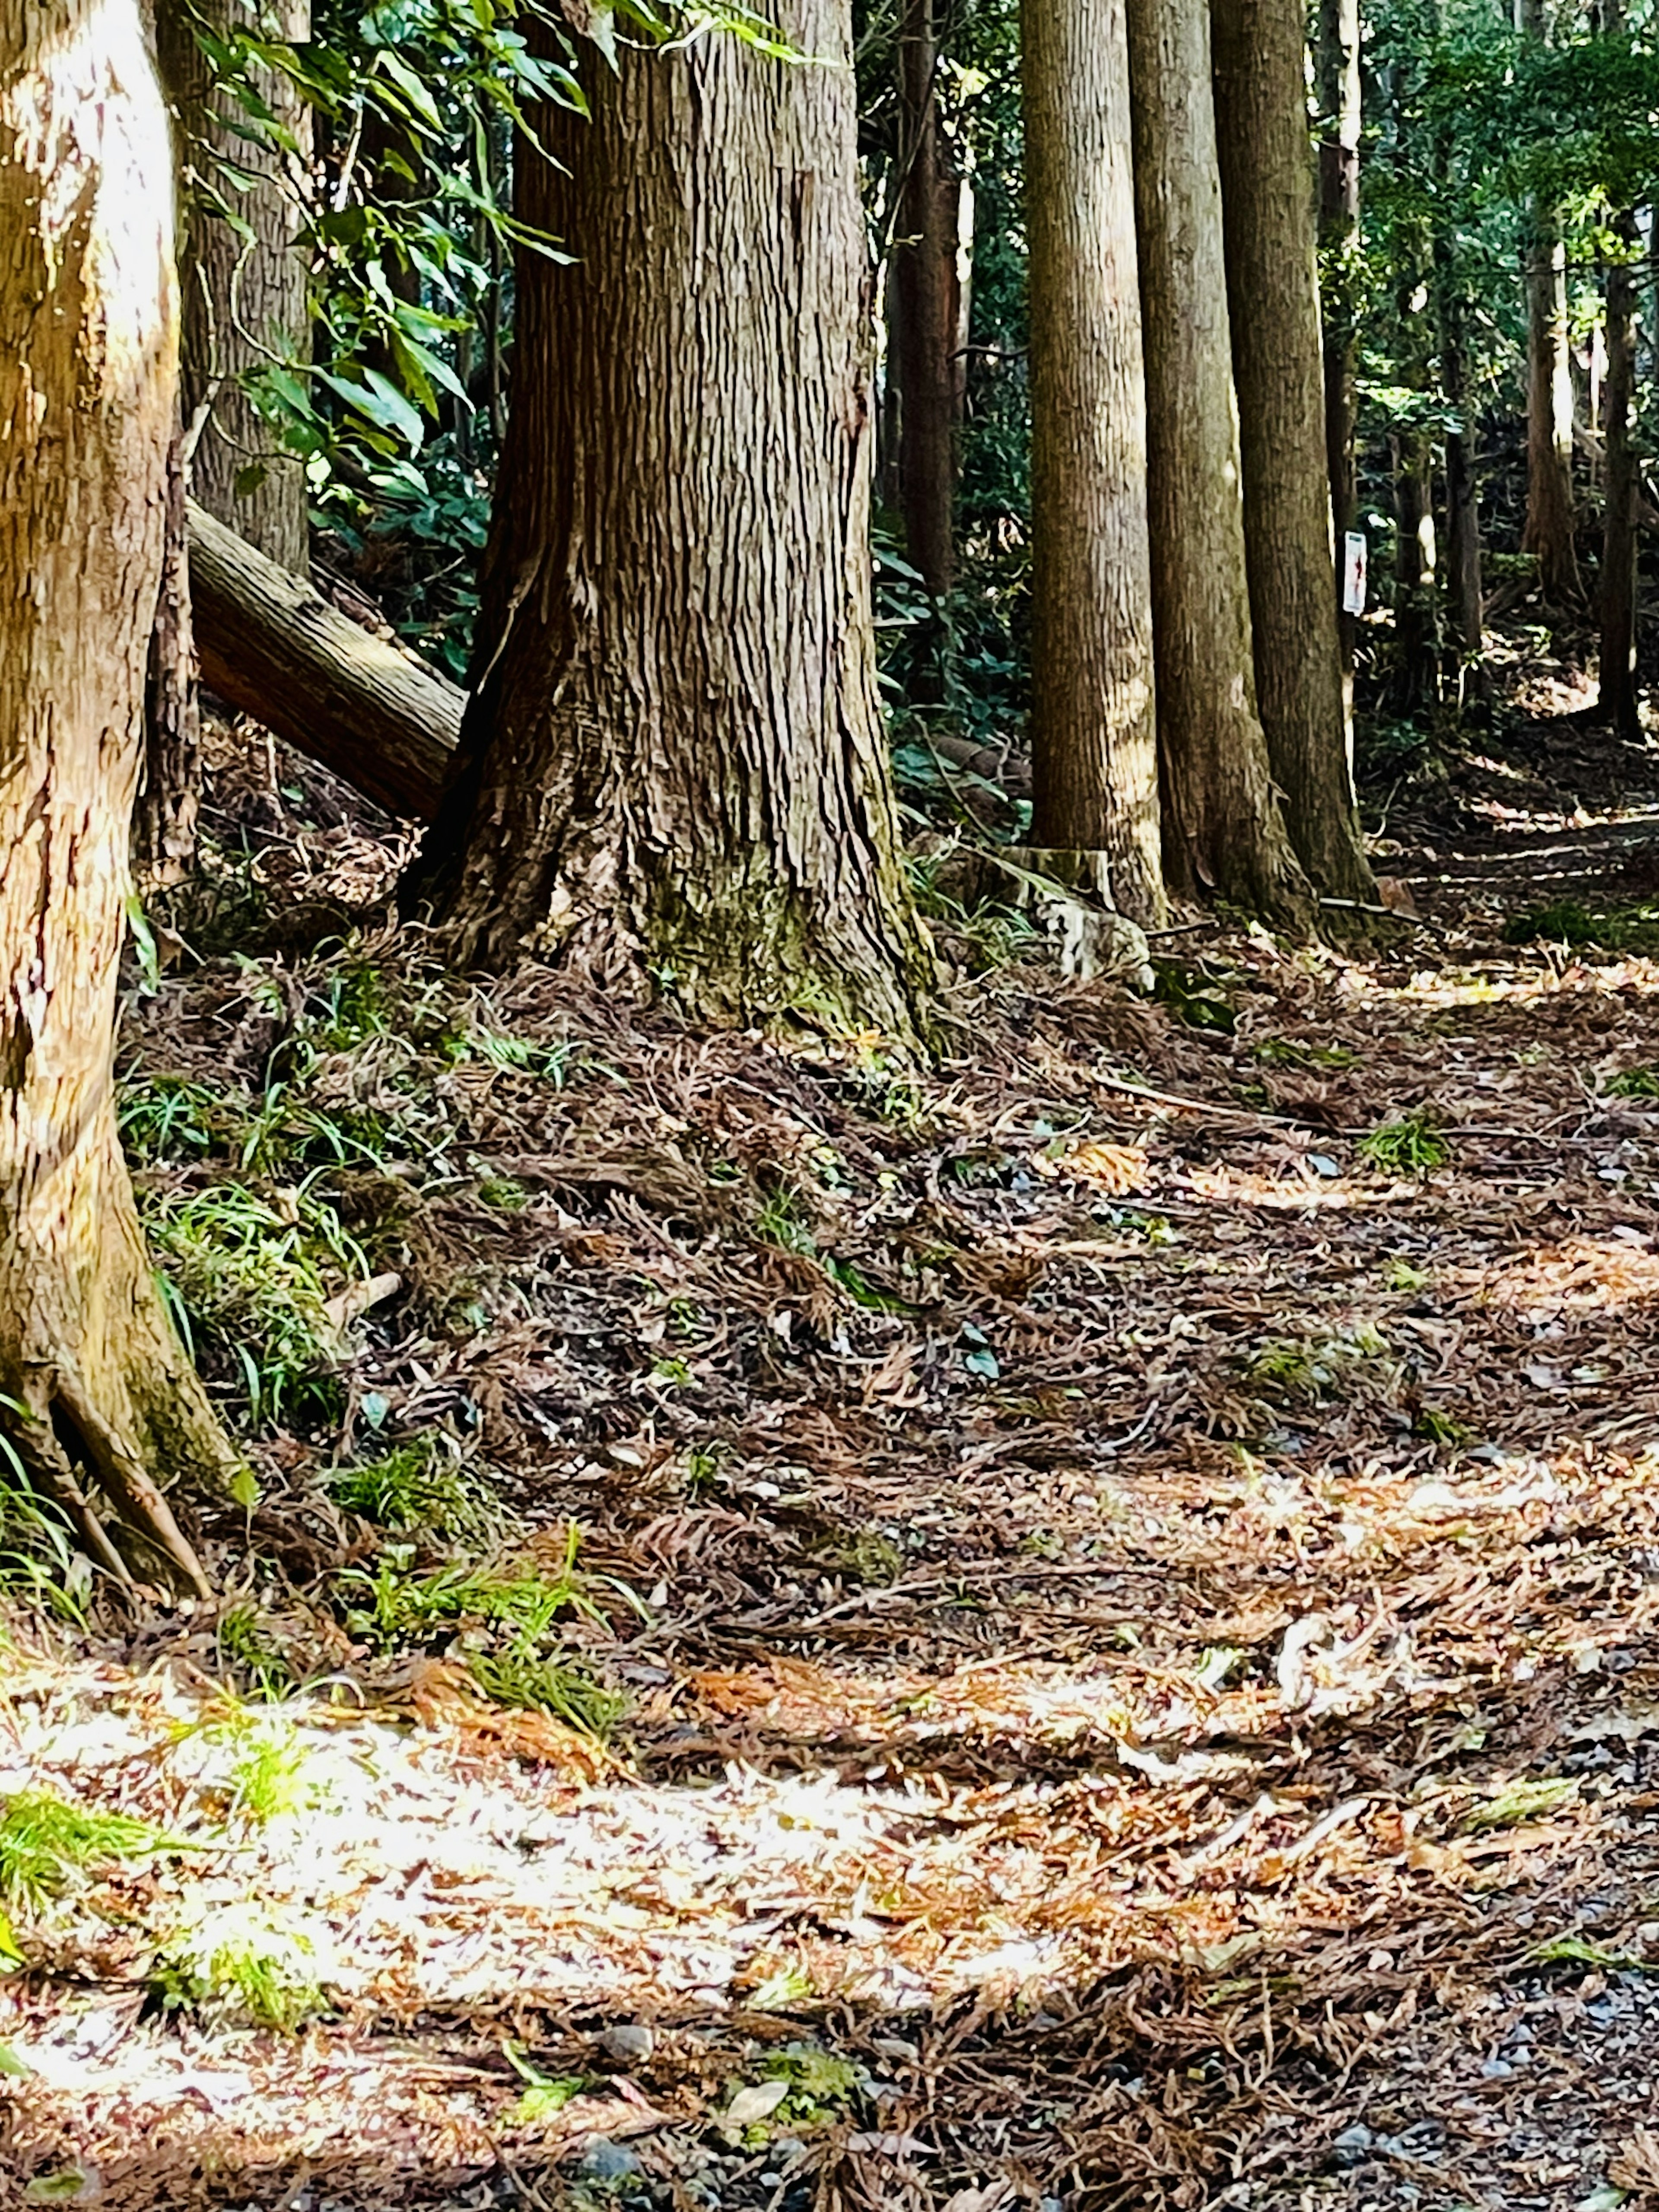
<point x="1634" y="1083"/>
<point x="46" y="1842"/>
<point x="526" y="1682"/>
<point x="1412" y="1145"/>
<point x="417" y="1486"/>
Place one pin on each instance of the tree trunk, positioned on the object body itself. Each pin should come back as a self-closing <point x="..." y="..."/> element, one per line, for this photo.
<point x="1267" y="199"/>
<point x="110" y="1409"/>
<point x="1466" y="595"/>
<point x="1549" y="527"/>
<point x="271" y="645"/>
<point x="164" y="826"/>
<point x="372" y="712"/>
<point x="1339" y="101"/>
<point x="674" y="765"/>
<point x="1223" y="829"/>
<point x="928" y="366"/>
<point x="1617" y="684"/>
<point x="1094" y="730"/>
<point x="1416" y="622"/>
<point x="244" y="297"/>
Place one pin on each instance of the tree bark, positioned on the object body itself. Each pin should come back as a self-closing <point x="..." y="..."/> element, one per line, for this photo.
<point x="1416" y="573"/>
<point x="110" y="1409"/>
<point x="1223" y="829"/>
<point x="929" y="367"/>
<point x="1466" y="594"/>
<point x="1550" y="520"/>
<point x="164" y="826"/>
<point x="243" y="298"/>
<point x="1267" y="199"/>
<point x="1619" y="693"/>
<point x="271" y="645"/>
<point x="674" y="766"/>
<point x="371" y="712"/>
<point x="1094" y="728"/>
<point x="1340" y="101"/>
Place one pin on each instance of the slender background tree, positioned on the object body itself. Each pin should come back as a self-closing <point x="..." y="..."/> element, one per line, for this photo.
<point x="1094" y="742"/>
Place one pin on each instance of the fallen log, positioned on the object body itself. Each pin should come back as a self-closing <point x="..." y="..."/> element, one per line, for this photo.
<point x="271" y="645"/>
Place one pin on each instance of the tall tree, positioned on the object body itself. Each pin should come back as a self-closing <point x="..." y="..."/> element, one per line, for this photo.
<point x="674" y="761"/>
<point x="1467" y="596"/>
<point x="102" y="1405"/>
<point x="1621" y="489"/>
<point x="1223" y="829"/>
<point x="1268" y="205"/>
<point x="1622" y="484"/>
<point x="1094" y="737"/>
<point x="1340" y="101"/>
<point x="243" y="278"/>
<point x="928" y="333"/>
<point x="1550" y="522"/>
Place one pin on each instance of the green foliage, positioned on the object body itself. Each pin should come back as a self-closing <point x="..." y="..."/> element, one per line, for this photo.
<point x="393" y="1603"/>
<point x="249" y="1649"/>
<point x="1190" y="991"/>
<point x="544" y="2095"/>
<point x="1526" y="1799"/>
<point x="1633" y="928"/>
<point x="47" y="1841"/>
<point x="1410" y="1144"/>
<point x="1633" y="1083"/>
<point x="239" y="1962"/>
<point x="525" y="1681"/>
<point x="249" y="1278"/>
<point x="419" y="1486"/>
<point x="1311" y="1370"/>
<point x="41" y="1558"/>
<point x="1295" y="1052"/>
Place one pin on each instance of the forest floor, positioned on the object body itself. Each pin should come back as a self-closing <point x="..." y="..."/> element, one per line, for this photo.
<point x="1072" y="1628"/>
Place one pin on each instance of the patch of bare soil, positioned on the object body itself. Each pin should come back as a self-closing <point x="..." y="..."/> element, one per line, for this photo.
<point x="1129" y="1554"/>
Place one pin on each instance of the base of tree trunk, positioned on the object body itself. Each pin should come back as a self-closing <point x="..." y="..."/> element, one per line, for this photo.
<point x="107" y="1408"/>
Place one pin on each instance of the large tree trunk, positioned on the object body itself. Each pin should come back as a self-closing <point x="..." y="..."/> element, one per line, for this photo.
<point x="244" y="297"/>
<point x="928" y="366"/>
<point x="674" y="766"/>
<point x="1618" y="683"/>
<point x="1094" y="733"/>
<point x="110" y="1409"/>
<point x="1267" y="199"/>
<point x="1549" y="526"/>
<point x="1223" y="829"/>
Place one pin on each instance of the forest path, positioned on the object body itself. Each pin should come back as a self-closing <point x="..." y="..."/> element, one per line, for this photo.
<point x="1141" y="1662"/>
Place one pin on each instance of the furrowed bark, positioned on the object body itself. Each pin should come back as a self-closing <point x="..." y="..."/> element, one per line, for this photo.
<point x="1094" y="740"/>
<point x="243" y="298"/>
<point x="1337" y="59"/>
<point x="1222" y="830"/>
<point x="1619" y="693"/>
<point x="928" y="365"/>
<point x="1550" y="519"/>
<point x="1268" y="195"/>
<point x="164" y="826"/>
<point x="110" y="1410"/>
<point x="674" y="767"/>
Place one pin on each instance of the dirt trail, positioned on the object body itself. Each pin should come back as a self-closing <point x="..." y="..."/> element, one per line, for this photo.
<point x="1137" y="1618"/>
